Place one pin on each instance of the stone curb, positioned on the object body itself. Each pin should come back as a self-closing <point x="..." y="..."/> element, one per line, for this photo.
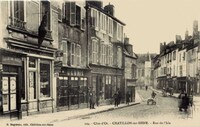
<point x="106" y="110"/>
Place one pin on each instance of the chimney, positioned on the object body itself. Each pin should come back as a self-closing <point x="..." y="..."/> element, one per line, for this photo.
<point x="128" y="47"/>
<point x="126" y="40"/>
<point x="110" y="9"/>
<point x="178" y="39"/>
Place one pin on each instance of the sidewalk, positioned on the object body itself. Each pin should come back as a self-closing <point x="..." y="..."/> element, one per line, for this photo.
<point x="68" y="115"/>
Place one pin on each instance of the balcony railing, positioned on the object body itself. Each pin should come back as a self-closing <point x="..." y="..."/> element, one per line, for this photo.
<point x="17" y="23"/>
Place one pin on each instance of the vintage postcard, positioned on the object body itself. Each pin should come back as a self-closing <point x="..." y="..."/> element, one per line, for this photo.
<point x="99" y="63"/>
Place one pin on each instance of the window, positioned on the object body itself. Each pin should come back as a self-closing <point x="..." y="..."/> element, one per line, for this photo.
<point x="32" y="85"/>
<point x="181" y="70"/>
<point x="174" y="55"/>
<point x="108" y="88"/>
<point x="119" y="31"/>
<point x="119" y="57"/>
<point x="95" y="18"/>
<point x="180" y="57"/>
<point x="134" y="71"/>
<point x="17" y="14"/>
<point x="111" y="55"/>
<point x="73" y="14"/>
<point x="103" y="54"/>
<point x="83" y="90"/>
<point x="78" y="54"/>
<point x="44" y="78"/>
<point x="73" y="54"/>
<point x="45" y="7"/>
<point x="65" y="53"/>
<point x="183" y="56"/>
<point x="95" y="50"/>
<point x="110" y="26"/>
<point x="83" y="18"/>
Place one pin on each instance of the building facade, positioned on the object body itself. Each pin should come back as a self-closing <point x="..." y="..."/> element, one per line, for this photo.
<point x="105" y="44"/>
<point x="130" y="69"/>
<point x="73" y="79"/>
<point x="27" y="73"/>
<point x="179" y="65"/>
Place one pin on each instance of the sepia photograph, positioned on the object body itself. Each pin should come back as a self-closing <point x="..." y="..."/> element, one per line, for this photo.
<point x="99" y="63"/>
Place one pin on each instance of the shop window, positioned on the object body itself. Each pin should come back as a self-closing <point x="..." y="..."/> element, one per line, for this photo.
<point x="44" y="78"/>
<point x="74" y="91"/>
<point x="62" y="93"/>
<point x="83" y="90"/>
<point x="108" y="88"/>
<point x="32" y="85"/>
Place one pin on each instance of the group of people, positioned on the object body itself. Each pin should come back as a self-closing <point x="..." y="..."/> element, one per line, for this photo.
<point x="116" y="97"/>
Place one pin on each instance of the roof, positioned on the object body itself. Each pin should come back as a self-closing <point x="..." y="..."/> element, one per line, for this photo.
<point x="102" y="10"/>
<point x="134" y="56"/>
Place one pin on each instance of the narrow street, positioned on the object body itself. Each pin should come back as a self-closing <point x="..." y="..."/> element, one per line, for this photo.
<point x="165" y="112"/>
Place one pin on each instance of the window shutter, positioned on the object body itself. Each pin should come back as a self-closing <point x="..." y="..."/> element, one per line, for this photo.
<point x="65" y="53"/>
<point x="67" y="12"/>
<point x="83" y="18"/>
<point x="63" y="13"/>
<point x="73" y="13"/>
<point x="59" y="15"/>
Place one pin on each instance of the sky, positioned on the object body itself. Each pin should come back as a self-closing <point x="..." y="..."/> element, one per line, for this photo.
<point x="151" y="22"/>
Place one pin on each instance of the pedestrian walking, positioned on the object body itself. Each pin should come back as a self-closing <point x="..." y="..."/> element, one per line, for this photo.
<point x="119" y="96"/>
<point x="92" y="98"/>
<point x="115" y="99"/>
<point x="128" y="97"/>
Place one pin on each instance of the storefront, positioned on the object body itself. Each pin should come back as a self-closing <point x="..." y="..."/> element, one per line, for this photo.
<point x="72" y="89"/>
<point x="131" y="83"/>
<point x="11" y="80"/>
<point x="105" y="82"/>
<point x="37" y="91"/>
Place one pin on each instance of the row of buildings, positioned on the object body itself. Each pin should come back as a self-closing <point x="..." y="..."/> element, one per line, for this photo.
<point x="53" y="53"/>
<point x="178" y="64"/>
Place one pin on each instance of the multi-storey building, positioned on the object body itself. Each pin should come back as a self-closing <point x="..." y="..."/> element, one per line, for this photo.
<point x="72" y="85"/>
<point x="130" y="69"/>
<point x="181" y="63"/>
<point x="28" y="43"/>
<point x="105" y="46"/>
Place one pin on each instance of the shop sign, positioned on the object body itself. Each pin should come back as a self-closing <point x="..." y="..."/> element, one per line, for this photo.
<point x="12" y="60"/>
<point x="130" y="84"/>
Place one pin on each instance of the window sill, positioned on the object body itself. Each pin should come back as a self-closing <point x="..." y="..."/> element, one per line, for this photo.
<point x="46" y="99"/>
